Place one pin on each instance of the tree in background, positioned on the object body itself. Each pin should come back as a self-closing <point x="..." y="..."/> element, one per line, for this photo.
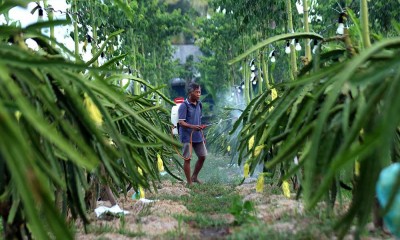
<point x="67" y="122"/>
<point x="145" y="43"/>
<point x="339" y="117"/>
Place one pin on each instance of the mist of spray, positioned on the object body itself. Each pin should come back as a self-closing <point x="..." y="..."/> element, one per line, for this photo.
<point x="233" y="100"/>
<point x="230" y="99"/>
<point x="224" y="120"/>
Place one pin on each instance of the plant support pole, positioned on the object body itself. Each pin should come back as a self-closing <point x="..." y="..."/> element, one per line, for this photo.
<point x="292" y="49"/>
<point x="259" y="61"/>
<point x="50" y="16"/>
<point x="265" y="71"/>
<point x="76" y="40"/>
<point x="306" y="29"/>
<point x="94" y="33"/>
<point x="365" y="23"/>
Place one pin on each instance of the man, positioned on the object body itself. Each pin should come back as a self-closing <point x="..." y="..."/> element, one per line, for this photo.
<point x="190" y="134"/>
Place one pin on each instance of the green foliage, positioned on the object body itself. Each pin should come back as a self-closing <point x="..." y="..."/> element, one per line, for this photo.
<point x="244" y="212"/>
<point x="147" y="28"/>
<point x="342" y="110"/>
<point x="65" y="131"/>
<point x="262" y="16"/>
<point x="330" y="116"/>
<point x="201" y="220"/>
<point x="218" y="39"/>
<point x="210" y="198"/>
<point x="275" y="39"/>
<point x="331" y="120"/>
<point x="218" y="138"/>
<point x="379" y="23"/>
<point x="99" y="231"/>
<point x="292" y="230"/>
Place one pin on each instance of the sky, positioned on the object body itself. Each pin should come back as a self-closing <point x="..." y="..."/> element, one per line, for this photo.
<point x="62" y="33"/>
<point x="26" y="18"/>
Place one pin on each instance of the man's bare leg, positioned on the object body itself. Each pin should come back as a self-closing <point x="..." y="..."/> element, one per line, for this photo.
<point x="197" y="168"/>
<point x="186" y="169"/>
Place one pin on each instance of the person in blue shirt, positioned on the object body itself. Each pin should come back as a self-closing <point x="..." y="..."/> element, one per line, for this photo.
<point x="190" y="132"/>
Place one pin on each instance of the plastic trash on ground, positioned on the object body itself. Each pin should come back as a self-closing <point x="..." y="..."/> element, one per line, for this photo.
<point x="144" y="200"/>
<point x="139" y="194"/>
<point x="114" y="210"/>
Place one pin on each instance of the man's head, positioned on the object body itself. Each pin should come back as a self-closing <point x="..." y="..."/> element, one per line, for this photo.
<point x="194" y="91"/>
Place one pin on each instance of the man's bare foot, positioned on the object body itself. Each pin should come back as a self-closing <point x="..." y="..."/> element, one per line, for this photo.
<point x="197" y="181"/>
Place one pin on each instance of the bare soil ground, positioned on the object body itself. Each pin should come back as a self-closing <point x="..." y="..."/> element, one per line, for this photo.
<point x="163" y="219"/>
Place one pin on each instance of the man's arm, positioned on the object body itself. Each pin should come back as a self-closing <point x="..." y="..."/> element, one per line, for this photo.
<point x="182" y="112"/>
<point x="188" y="125"/>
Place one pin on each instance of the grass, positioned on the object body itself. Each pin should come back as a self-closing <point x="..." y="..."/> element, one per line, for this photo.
<point x="216" y="194"/>
<point x="263" y="231"/>
<point x="176" y="235"/>
<point x="211" y="201"/>
<point x="208" y="201"/>
<point x="217" y="170"/>
<point x="200" y="220"/>
<point x="210" y="198"/>
<point x="310" y="225"/>
<point x="100" y="230"/>
<point x="144" y="212"/>
<point x="314" y="224"/>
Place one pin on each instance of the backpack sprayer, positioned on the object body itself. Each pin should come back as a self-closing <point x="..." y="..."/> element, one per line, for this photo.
<point x="175" y="118"/>
<point x="174" y="114"/>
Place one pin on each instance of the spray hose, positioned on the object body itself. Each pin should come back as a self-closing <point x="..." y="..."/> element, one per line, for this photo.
<point x="191" y="134"/>
<point x="190" y="145"/>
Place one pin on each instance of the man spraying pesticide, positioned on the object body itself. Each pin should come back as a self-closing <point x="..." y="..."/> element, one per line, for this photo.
<point x="190" y="132"/>
<point x="186" y="119"/>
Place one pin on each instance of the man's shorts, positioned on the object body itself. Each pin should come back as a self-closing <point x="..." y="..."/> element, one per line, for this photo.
<point x="199" y="148"/>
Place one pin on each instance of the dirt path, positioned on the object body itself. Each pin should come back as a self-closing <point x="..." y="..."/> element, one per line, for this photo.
<point x="178" y="212"/>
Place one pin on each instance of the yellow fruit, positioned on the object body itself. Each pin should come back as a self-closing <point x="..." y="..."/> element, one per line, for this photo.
<point x="274" y="94"/>
<point x="286" y="189"/>
<point x="260" y="183"/>
<point x="246" y="170"/>
<point x="111" y="142"/>
<point x="160" y="163"/>
<point x="258" y="150"/>
<point x="357" y="168"/>
<point x="251" y="142"/>
<point x="270" y="109"/>
<point x="141" y="190"/>
<point x="94" y="112"/>
<point x="18" y="115"/>
<point x="228" y="148"/>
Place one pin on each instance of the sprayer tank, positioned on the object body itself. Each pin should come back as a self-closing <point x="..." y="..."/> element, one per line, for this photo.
<point x="174" y="114"/>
